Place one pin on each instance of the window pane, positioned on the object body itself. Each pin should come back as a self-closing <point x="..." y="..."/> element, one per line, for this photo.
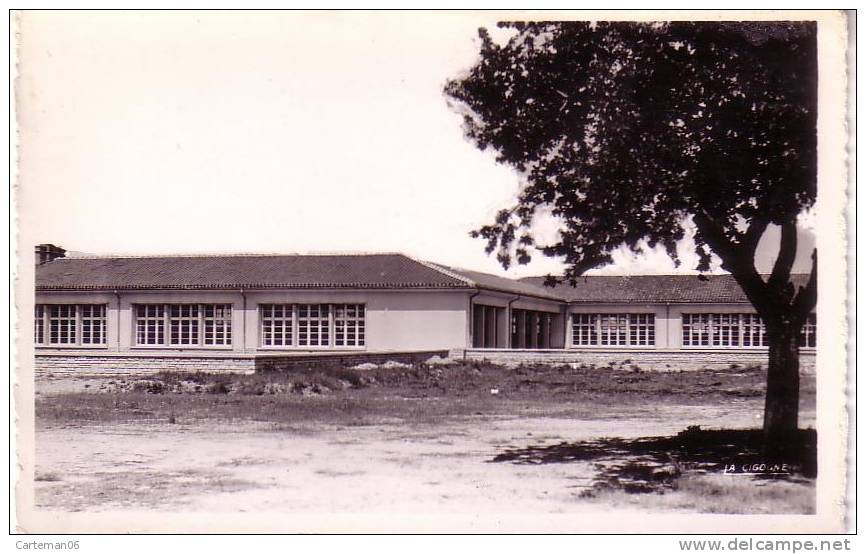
<point x="62" y="324"/>
<point x="313" y="324"/>
<point x="276" y="324"/>
<point x="217" y="324"/>
<point x="808" y="332"/>
<point x="150" y="324"/>
<point x="39" y="324"/>
<point x="348" y="324"/>
<point x="183" y="324"/>
<point x="93" y="324"/>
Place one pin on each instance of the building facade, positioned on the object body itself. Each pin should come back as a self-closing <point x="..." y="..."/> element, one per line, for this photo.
<point x="244" y="312"/>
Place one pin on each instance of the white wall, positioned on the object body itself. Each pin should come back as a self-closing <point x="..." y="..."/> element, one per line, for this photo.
<point x="395" y="320"/>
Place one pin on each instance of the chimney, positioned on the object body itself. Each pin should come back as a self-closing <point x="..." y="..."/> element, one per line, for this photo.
<point x="48" y="252"/>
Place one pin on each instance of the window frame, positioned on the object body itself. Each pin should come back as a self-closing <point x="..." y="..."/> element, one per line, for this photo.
<point x="809" y="330"/>
<point x="164" y="319"/>
<point x="750" y="329"/>
<point x="354" y="323"/>
<point x="42" y="323"/>
<point x="296" y="321"/>
<point x="596" y="326"/>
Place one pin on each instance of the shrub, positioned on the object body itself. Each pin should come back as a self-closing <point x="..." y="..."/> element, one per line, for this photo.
<point x="219" y="387"/>
<point x="148" y="386"/>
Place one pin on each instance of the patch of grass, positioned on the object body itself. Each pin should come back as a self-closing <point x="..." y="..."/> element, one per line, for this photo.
<point x="417" y="393"/>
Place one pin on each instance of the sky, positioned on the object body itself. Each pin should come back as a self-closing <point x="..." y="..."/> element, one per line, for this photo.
<point x="152" y="133"/>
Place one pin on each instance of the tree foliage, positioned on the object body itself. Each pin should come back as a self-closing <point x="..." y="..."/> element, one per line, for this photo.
<point x="628" y="131"/>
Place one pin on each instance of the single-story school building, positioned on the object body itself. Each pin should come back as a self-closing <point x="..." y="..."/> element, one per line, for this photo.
<point x="242" y="312"/>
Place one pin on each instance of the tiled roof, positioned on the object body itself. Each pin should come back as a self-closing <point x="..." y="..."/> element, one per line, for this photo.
<point x="367" y="271"/>
<point x="212" y="272"/>
<point x="653" y="289"/>
<point x="504" y="284"/>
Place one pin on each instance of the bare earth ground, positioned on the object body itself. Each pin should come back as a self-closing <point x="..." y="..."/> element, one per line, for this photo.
<point x="394" y="439"/>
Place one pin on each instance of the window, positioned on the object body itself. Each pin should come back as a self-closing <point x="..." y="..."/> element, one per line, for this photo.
<point x="312" y="325"/>
<point x="808" y="332"/>
<point x="583" y="330"/>
<point x="613" y="330"/>
<point x="348" y="324"/>
<point x="696" y="329"/>
<point x="39" y="324"/>
<point x="735" y="330"/>
<point x="217" y="324"/>
<point x="642" y="329"/>
<point x="183" y="324"/>
<point x="754" y="333"/>
<point x="93" y="328"/>
<point x="189" y="325"/>
<point x="70" y="324"/>
<point x="62" y="324"/>
<point x="725" y="329"/>
<point x="276" y="324"/>
<point x="149" y="324"/>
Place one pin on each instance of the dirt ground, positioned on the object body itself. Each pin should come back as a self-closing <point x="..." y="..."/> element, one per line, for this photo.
<point x="397" y="442"/>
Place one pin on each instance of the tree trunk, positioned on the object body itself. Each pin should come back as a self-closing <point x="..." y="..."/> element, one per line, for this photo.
<point x="783" y="389"/>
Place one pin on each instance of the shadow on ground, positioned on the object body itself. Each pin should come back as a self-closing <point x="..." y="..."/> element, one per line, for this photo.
<point x="654" y="464"/>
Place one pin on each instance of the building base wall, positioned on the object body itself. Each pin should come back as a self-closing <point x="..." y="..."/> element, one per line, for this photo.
<point x="77" y="364"/>
<point x="344" y="360"/>
<point x="114" y="364"/>
<point x="635" y="359"/>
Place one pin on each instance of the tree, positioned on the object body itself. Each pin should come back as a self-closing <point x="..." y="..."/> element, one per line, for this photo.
<point x="630" y="132"/>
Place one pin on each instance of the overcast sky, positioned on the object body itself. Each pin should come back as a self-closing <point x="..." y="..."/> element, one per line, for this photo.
<point x="153" y="133"/>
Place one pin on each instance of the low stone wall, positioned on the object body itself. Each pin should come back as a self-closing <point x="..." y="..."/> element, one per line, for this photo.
<point x="77" y="364"/>
<point x="116" y="364"/>
<point x="111" y="364"/>
<point x="650" y="360"/>
<point x="341" y="359"/>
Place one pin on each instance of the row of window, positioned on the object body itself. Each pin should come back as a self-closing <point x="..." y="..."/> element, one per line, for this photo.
<point x="203" y="325"/>
<point x="613" y="330"/>
<point x="183" y="324"/>
<point x="707" y="330"/>
<point x="312" y="324"/>
<point x="318" y="325"/>
<point x="70" y="324"/>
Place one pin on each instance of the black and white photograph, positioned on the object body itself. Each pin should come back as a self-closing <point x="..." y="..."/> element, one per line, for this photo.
<point x="432" y="272"/>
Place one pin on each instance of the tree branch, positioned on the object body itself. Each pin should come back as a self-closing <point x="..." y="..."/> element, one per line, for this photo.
<point x="781" y="274"/>
<point x="807" y="297"/>
<point x="737" y="260"/>
<point x="753" y="234"/>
